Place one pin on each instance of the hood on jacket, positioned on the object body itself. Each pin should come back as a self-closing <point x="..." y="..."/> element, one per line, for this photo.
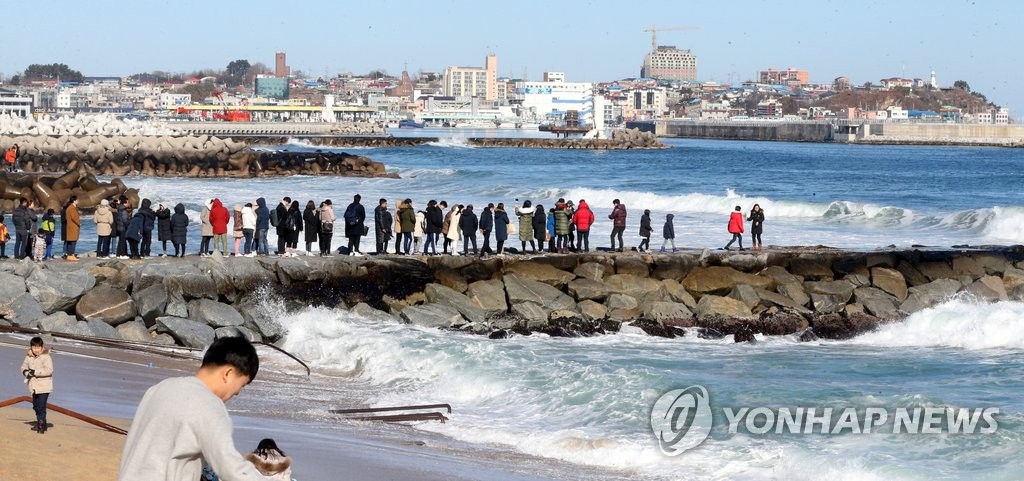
<point x="270" y="465"/>
<point x="208" y="203"/>
<point x="669" y="217"/>
<point x="179" y="209"/>
<point x="146" y="203"/>
<point x="583" y="205"/>
<point x="261" y="202"/>
<point x="238" y="208"/>
<point x="216" y="203"/>
<point x="527" y="210"/>
<point x="46" y="350"/>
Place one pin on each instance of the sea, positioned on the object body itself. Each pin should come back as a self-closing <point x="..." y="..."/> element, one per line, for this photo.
<point x="584" y="405"/>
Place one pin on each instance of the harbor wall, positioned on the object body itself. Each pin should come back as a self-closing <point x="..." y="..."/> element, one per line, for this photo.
<point x="836" y="294"/>
<point x="911" y="133"/>
<point x="747" y="130"/>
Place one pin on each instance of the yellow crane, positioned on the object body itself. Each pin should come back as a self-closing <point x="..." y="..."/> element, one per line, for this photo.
<point x="654" y="32"/>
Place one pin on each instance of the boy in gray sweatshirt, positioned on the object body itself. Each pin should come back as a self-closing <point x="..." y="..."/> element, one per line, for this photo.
<point x="182" y="421"/>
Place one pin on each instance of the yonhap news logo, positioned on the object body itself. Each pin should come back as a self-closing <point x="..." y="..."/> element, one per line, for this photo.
<point x="682" y="419"/>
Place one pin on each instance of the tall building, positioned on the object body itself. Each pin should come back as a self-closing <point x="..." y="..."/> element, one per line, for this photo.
<point x="670" y="63"/>
<point x="281" y="69"/>
<point x="473" y="81"/>
<point x="790" y="76"/>
<point x="271" y="87"/>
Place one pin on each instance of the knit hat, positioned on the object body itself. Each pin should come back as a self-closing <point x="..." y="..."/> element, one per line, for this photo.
<point x="104" y="202"/>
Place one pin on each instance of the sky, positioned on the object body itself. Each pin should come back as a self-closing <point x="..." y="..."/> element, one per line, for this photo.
<point x="866" y="40"/>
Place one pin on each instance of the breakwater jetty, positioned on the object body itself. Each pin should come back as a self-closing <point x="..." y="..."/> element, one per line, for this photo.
<point x="52" y="191"/>
<point x="805" y="292"/>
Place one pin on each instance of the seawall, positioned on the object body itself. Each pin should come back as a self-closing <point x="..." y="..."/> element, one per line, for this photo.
<point x="806" y="292"/>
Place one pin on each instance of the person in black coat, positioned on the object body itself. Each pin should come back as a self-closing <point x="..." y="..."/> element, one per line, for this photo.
<point x="148" y="221"/>
<point x="756" y="219"/>
<point x="135" y="233"/>
<point x="500" y="227"/>
<point x="179" y="229"/>
<point x="355" y="216"/>
<point x="293" y="225"/>
<point x="434" y="220"/>
<point x="645" y="231"/>
<point x="468" y="224"/>
<point x="540" y="227"/>
<point x="669" y="233"/>
<point x="282" y="232"/>
<point x="262" y="226"/>
<point x="383" y="225"/>
<point x="121" y="226"/>
<point x="486" y="226"/>
<point x="163" y="227"/>
<point x="312" y="224"/>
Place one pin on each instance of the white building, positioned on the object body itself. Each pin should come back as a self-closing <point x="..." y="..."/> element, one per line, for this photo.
<point x="1002" y="116"/>
<point x="897" y="113"/>
<point x="711" y="110"/>
<point x="71" y="99"/>
<point x="550" y="100"/>
<point x="12" y="103"/>
<point x="473" y="81"/>
<point x="170" y="101"/>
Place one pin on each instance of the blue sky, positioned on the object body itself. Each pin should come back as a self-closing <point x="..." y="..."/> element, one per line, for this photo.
<point x="976" y="41"/>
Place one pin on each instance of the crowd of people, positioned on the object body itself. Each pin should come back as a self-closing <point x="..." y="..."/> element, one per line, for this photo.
<point x="125" y="232"/>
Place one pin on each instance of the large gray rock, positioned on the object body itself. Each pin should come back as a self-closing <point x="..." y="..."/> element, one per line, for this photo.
<point x="935" y="270"/>
<point x="261" y="315"/>
<point x="58" y="291"/>
<point x="11" y="286"/>
<point x="781" y="275"/>
<point x="721" y="280"/>
<point x="726" y="307"/>
<point x="674" y="266"/>
<point x="812" y="268"/>
<point x="877" y="302"/>
<point x="540" y="272"/>
<point x="366" y="311"/>
<point x="489" y="296"/>
<point x="24" y="310"/>
<point x="889" y="280"/>
<point x="592" y="311"/>
<point x="214" y="314"/>
<point x="675" y="292"/>
<point x="593" y="270"/>
<point x="584" y="288"/>
<point x="186" y="331"/>
<point x="106" y="304"/>
<point x="929" y="294"/>
<point x="667" y="311"/>
<point x="827" y="304"/>
<point x="298" y="269"/>
<point x="643" y="289"/>
<point x="967" y="266"/>
<point x="770" y="299"/>
<point x="432" y="315"/>
<point x="633" y="266"/>
<point x="911" y="274"/>
<point x="1012" y="277"/>
<point x="620" y="301"/>
<point x="525" y="290"/>
<point x="134" y="330"/>
<point x="989" y="288"/>
<point x="535" y="316"/>
<point x="59" y="321"/>
<point x="841" y="291"/>
<point x="746" y="294"/>
<point x="100" y="328"/>
<point x="151" y="302"/>
<point x="746" y="262"/>
<point x="438" y="294"/>
<point x="247" y="273"/>
<point x="795" y="292"/>
<point x="236" y="331"/>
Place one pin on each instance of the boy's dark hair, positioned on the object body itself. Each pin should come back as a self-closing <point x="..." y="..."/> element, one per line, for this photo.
<point x="738" y="208"/>
<point x="36" y="341"/>
<point x="236" y="352"/>
<point x="382" y="202"/>
<point x="268" y="446"/>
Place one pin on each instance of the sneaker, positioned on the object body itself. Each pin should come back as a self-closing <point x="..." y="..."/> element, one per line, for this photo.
<point x="122" y="257"/>
<point x="72" y="258"/>
<point x="358" y="254"/>
<point x="112" y="256"/>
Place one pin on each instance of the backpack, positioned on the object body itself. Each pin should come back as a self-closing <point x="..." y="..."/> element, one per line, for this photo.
<point x="274" y="220"/>
<point x="48" y="226"/>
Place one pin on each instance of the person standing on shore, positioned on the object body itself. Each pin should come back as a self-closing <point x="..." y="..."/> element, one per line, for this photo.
<point x="618" y="217"/>
<point x="11" y="156"/>
<point x="219" y="218"/>
<point x="49" y="226"/>
<point x="237" y="230"/>
<point x="121" y="219"/>
<point x="645" y="232"/>
<point x="486" y="226"/>
<point x="407" y="221"/>
<point x="163" y="227"/>
<point x="326" y="230"/>
<point x="756" y="219"/>
<point x="355" y="228"/>
<point x="736" y="227"/>
<point x="37" y="368"/>
<point x="570" y="209"/>
<point x="583" y="218"/>
<point x="104" y="220"/>
<point x="262" y="227"/>
<point x="293" y="225"/>
<point x="525" y="214"/>
<point x="71" y="227"/>
<point x="311" y="224"/>
<point x="206" y="231"/>
<point x="418" y="232"/>
<point x="549" y="232"/>
<point x="668" y="233"/>
<point x="149" y="220"/>
<point x="451" y="235"/>
<point x="135" y="233"/>
<point x="4" y="237"/>
<point x="22" y="227"/>
<point x="179" y="230"/>
<point x="167" y="442"/>
<point x="382" y="222"/>
<point x="447" y="225"/>
<point x="433" y="220"/>
<point x="277" y="219"/>
<point x="500" y="228"/>
<point x="248" y="228"/>
<point x="468" y="224"/>
<point x="563" y="221"/>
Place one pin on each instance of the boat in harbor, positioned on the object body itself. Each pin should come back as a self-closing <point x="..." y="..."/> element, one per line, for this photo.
<point x="409" y="124"/>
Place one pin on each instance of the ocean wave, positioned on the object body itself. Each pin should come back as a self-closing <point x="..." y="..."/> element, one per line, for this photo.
<point x="451" y="142"/>
<point x="958" y="323"/>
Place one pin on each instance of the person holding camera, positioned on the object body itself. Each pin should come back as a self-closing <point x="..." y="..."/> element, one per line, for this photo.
<point x="38" y="371"/>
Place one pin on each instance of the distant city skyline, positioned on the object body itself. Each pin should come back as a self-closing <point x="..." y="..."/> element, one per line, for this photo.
<point x="588" y="40"/>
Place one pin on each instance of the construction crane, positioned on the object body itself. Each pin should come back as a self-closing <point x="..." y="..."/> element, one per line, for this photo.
<point x="654" y="32"/>
<point x="230" y="115"/>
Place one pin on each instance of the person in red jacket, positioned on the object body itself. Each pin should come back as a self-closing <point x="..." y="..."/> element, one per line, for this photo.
<point x="219" y="218"/>
<point x="583" y="218"/>
<point x="736" y="227"/>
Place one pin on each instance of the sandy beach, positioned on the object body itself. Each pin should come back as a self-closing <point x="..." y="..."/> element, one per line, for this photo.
<point x="107" y="384"/>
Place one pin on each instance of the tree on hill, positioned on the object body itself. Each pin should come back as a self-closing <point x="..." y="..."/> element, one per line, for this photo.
<point x="53" y="71"/>
<point x="235" y="73"/>
<point x="962" y="85"/>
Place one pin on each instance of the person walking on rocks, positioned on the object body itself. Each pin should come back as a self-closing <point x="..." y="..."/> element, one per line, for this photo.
<point x="311" y="225"/>
<point x="355" y="228"/>
<point x="149" y="220"/>
<point x="382" y="222"/>
<point x="163" y="227"/>
<point x="645" y="232"/>
<point x="37" y="368"/>
<point x="293" y="225"/>
<point x="486" y="227"/>
<point x="262" y="227"/>
<point x="49" y="226"/>
<point x="756" y="219"/>
<point x="326" y="230"/>
<point x="736" y="227"/>
<point x="104" y="220"/>
<point x="668" y="233"/>
<point x="618" y="217"/>
<point x="277" y="219"/>
<point x="248" y="228"/>
<point x="237" y="230"/>
<point x="219" y="218"/>
<point x="468" y="224"/>
<point x="179" y="230"/>
<point x="525" y="214"/>
<point x="583" y="218"/>
<point x="206" y="231"/>
<point x="407" y="220"/>
<point x="500" y="228"/>
<point x="71" y="227"/>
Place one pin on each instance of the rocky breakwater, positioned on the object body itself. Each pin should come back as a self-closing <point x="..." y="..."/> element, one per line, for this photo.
<point x="808" y="293"/>
<point x="182" y="156"/>
<point x="624" y="140"/>
<point x="52" y="191"/>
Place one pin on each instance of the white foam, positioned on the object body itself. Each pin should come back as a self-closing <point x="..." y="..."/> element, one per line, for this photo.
<point x="958" y="323"/>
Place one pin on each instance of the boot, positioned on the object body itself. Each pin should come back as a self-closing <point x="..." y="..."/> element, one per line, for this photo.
<point x="40" y="427"/>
